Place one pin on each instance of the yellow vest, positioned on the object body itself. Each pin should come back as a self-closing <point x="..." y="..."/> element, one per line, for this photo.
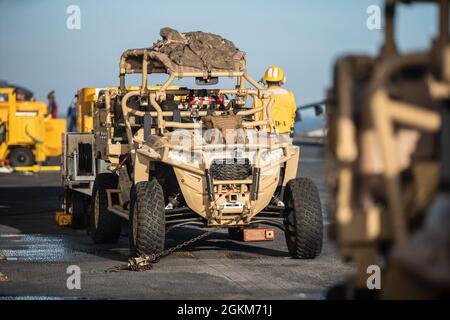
<point x="283" y="109"/>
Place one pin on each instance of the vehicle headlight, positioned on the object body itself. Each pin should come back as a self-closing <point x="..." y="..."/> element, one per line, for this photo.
<point x="272" y="155"/>
<point x="183" y="157"/>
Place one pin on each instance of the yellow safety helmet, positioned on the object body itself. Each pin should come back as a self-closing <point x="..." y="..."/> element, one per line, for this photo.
<point x="274" y="74"/>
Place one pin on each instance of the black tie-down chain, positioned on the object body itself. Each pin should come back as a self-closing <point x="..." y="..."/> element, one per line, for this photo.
<point x="145" y="262"/>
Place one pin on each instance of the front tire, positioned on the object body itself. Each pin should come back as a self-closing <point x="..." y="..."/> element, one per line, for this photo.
<point x="147" y="219"/>
<point x="303" y="219"/>
<point x="21" y="157"/>
<point x="105" y="225"/>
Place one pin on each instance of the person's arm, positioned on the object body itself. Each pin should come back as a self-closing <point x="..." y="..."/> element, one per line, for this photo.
<point x="293" y="106"/>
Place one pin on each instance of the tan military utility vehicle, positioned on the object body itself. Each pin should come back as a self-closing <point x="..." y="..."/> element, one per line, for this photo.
<point x="389" y="150"/>
<point x="204" y="155"/>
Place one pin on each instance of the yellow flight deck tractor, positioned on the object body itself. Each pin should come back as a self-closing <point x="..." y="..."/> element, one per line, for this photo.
<point x="86" y="98"/>
<point x="27" y="136"/>
<point x="162" y="157"/>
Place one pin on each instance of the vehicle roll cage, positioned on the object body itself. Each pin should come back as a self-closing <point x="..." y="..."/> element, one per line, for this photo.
<point x="141" y="61"/>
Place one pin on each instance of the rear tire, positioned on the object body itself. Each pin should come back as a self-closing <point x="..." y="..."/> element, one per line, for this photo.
<point x="105" y="225"/>
<point x="303" y="219"/>
<point x="147" y="219"/>
<point x="80" y="206"/>
<point x="21" y="157"/>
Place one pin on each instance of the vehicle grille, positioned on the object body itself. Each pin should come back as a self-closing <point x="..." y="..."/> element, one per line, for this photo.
<point x="231" y="169"/>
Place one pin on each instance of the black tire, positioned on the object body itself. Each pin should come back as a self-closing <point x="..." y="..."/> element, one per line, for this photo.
<point x="105" y="226"/>
<point x="303" y="219"/>
<point x="147" y="219"/>
<point x="21" y="157"/>
<point x="80" y="206"/>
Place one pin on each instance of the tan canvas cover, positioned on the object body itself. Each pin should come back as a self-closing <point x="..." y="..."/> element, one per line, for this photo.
<point x="187" y="52"/>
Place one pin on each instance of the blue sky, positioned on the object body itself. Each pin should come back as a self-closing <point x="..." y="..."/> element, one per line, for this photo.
<point x="303" y="37"/>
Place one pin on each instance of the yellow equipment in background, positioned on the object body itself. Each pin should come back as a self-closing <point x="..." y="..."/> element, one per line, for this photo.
<point x="27" y="136"/>
<point x="86" y="98"/>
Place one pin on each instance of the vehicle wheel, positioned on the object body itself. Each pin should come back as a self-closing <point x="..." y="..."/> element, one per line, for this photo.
<point x="147" y="219"/>
<point x="80" y="205"/>
<point x="21" y="157"/>
<point x="105" y="225"/>
<point x="303" y="219"/>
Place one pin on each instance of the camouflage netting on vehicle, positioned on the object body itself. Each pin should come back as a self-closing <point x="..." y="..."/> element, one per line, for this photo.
<point x="188" y="52"/>
<point x="199" y="50"/>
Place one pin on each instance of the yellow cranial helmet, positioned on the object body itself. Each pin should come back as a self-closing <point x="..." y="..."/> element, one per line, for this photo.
<point x="274" y="74"/>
